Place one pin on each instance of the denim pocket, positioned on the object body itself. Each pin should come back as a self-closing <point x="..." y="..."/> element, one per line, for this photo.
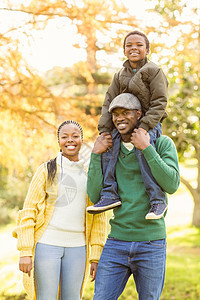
<point x="158" y="243"/>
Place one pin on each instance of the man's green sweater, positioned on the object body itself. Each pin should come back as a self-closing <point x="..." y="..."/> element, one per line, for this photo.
<point x="128" y="222"/>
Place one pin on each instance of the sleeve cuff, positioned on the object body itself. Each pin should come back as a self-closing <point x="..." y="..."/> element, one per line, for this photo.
<point x="144" y="126"/>
<point x="95" y="253"/>
<point x="26" y="253"/>
<point x="104" y="130"/>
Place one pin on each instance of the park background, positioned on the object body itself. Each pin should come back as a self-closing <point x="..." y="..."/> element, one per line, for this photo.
<point x="57" y="59"/>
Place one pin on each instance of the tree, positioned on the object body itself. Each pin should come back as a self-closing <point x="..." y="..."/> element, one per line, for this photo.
<point x="27" y="102"/>
<point x="94" y="21"/>
<point x="26" y="107"/>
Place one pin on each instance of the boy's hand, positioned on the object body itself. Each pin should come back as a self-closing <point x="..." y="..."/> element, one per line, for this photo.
<point x="103" y="143"/>
<point x="140" y="138"/>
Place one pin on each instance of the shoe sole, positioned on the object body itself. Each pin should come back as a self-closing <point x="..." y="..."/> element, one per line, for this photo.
<point x="155" y="217"/>
<point x="98" y="210"/>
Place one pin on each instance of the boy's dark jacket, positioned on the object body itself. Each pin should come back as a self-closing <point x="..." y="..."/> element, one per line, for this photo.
<point x="149" y="84"/>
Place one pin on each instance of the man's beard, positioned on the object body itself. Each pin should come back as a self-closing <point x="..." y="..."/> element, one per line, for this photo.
<point x="131" y="130"/>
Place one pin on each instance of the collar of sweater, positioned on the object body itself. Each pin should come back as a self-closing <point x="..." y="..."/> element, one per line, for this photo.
<point x="66" y="163"/>
<point x="140" y="64"/>
<point x="128" y="146"/>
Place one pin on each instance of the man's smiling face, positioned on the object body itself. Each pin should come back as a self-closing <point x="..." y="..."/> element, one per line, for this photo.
<point x="125" y="120"/>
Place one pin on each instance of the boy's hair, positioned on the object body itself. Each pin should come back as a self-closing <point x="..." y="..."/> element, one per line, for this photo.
<point x="138" y="33"/>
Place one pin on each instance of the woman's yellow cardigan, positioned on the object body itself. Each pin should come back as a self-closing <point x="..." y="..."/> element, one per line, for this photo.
<point x="33" y="219"/>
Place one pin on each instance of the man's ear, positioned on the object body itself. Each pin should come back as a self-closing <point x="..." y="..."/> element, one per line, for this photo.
<point x="139" y="114"/>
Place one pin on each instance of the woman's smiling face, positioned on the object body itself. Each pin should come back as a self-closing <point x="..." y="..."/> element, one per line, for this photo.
<point x="70" y="141"/>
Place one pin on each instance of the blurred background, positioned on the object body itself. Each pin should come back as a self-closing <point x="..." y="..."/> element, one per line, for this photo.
<point x="57" y="59"/>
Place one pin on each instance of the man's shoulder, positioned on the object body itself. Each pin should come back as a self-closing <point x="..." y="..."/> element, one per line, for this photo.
<point x="163" y="141"/>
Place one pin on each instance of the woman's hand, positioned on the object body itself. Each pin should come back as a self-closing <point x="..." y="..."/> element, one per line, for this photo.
<point x="102" y="143"/>
<point x="25" y="264"/>
<point x="140" y="138"/>
<point x="93" y="270"/>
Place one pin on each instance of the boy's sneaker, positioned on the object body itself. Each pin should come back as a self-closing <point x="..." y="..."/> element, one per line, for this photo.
<point x="157" y="211"/>
<point x="103" y="205"/>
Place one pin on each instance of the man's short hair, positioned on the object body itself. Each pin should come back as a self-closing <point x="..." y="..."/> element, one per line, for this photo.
<point x="125" y="100"/>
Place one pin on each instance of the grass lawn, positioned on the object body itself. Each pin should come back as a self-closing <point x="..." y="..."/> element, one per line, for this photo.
<point x="182" y="272"/>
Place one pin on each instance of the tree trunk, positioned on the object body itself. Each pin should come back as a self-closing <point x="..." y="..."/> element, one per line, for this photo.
<point x="196" y="199"/>
<point x="91" y="57"/>
<point x="196" y="212"/>
<point x="196" y="195"/>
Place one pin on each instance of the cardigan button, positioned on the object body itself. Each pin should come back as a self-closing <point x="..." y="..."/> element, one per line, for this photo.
<point x="123" y="156"/>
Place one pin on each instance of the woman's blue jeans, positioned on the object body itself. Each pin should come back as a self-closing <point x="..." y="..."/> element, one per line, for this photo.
<point x="119" y="259"/>
<point x="54" y="265"/>
<point x="109" y="160"/>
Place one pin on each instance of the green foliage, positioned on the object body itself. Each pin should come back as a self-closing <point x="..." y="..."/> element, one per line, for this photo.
<point x="60" y="75"/>
<point x="12" y="194"/>
<point x="14" y="297"/>
<point x="15" y="191"/>
<point x="183" y="124"/>
<point x="6" y="215"/>
<point x="169" y="8"/>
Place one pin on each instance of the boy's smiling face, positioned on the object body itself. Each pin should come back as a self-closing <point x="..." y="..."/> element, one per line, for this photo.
<point x="135" y="49"/>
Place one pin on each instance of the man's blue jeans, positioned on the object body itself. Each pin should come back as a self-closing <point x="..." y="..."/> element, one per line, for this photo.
<point x="109" y="160"/>
<point x="54" y="265"/>
<point x="119" y="259"/>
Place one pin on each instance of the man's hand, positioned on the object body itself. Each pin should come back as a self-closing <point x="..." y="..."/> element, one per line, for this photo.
<point x="103" y="143"/>
<point x="140" y="138"/>
<point x="25" y="264"/>
<point x="142" y="129"/>
<point x="93" y="270"/>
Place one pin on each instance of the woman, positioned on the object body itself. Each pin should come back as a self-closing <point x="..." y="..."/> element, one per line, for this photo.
<point x="54" y="232"/>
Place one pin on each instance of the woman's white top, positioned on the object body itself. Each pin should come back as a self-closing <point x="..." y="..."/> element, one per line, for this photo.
<point x="67" y="225"/>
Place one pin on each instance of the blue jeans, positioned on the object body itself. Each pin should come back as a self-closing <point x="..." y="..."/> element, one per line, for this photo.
<point x="54" y="265"/>
<point x="109" y="160"/>
<point x="119" y="259"/>
<point x="108" y="163"/>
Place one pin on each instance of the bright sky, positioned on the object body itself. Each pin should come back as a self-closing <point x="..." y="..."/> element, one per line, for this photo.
<point x="53" y="45"/>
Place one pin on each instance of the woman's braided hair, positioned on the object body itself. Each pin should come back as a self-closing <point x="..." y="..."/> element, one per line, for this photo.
<point x="51" y="164"/>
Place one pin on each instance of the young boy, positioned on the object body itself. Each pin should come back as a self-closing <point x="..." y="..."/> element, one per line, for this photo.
<point x="148" y="83"/>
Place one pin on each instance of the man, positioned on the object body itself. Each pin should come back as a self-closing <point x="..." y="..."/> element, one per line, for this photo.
<point x="135" y="245"/>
